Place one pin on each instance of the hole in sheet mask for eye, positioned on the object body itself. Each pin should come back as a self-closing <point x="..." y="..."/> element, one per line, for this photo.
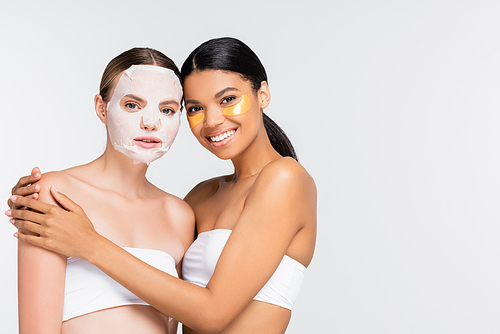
<point x="169" y="106"/>
<point x="133" y="103"/>
<point x="240" y="108"/>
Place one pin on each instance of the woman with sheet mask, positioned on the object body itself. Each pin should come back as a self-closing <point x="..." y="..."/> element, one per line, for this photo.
<point x="256" y="227"/>
<point x="139" y="102"/>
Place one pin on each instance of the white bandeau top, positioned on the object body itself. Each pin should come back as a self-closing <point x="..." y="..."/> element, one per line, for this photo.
<point x="201" y="258"/>
<point x="88" y="289"/>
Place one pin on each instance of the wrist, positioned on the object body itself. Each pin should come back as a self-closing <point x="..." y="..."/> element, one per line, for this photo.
<point x="95" y="248"/>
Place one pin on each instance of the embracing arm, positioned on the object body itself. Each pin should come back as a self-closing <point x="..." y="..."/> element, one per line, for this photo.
<point x="41" y="275"/>
<point x="275" y="210"/>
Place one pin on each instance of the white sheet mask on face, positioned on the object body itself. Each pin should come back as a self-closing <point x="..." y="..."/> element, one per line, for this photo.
<point x="126" y="128"/>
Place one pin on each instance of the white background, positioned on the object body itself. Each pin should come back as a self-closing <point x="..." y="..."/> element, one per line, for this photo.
<point x="393" y="107"/>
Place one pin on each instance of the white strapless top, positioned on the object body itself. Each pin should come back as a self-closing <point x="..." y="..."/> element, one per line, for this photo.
<point x="88" y="289"/>
<point x="201" y="258"/>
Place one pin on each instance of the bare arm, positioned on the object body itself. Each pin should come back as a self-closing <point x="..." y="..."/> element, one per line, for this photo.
<point x="41" y="275"/>
<point x="274" y="212"/>
<point x="185" y="329"/>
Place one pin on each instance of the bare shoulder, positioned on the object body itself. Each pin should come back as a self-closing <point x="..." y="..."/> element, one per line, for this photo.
<point x="286" y="171"/>
<point x="204" y="190"/>
<point x="58" y="179"/>
<point x="63" y="177"/>
<point x="71" y="182"/>
<point x="173" y="206"/>
<point x="285" y="190"/>
<point x="52" y="176"/>
<point x="179" y="217"/>
<point x="285" y="187"/>
<point x="61" y="180"/>
<point x="177" y="206"/>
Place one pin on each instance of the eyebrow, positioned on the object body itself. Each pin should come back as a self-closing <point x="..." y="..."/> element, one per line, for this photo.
<point x="135" y="97"/>
<point x="169" y="102"/>
<point x="225" y="90"/>
<point x="219" y="94"/>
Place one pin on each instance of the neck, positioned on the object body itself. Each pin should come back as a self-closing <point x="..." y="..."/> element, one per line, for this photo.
<point x="258" y="154"/>
<point x="118" y="173"/>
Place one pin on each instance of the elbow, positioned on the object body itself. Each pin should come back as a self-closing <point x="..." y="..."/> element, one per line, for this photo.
<point x="212" y="322"/>
<point x="216" y="327"/>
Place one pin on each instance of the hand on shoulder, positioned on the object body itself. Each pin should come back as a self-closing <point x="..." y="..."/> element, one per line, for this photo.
<point x="58" y="179"/>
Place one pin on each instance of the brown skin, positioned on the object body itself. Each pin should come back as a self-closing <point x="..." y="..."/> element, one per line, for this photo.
<point x="26" y="186"/>
<point x="269" y="202"/>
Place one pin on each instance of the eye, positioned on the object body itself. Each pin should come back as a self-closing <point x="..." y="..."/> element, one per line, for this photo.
<point x="167" y="111"/>
<point x="131" y="106"/>
<point x="227" y="99"/>
<point x="194" y="110"/>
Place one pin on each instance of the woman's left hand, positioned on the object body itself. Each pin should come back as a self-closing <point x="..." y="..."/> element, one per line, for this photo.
<point x="66" y="230"/>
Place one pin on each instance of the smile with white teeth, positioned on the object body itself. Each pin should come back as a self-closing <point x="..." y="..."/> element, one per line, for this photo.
<point x="148" y="141"/>
<point x="222" y="136"/>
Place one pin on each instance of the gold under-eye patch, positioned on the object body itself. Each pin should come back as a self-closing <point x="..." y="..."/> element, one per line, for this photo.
<point x="195" y="120"/>
<point x="240" y="108"/>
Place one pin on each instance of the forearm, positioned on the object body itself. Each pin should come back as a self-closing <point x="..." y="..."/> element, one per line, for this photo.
<point x="188" y="303"/>
<point x="187" y="330"/>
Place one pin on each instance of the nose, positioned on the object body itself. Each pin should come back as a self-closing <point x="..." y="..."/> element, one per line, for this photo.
<point x="213" y="117"/>
<point x="150" y="118"/>
<point x="150" y="126"/>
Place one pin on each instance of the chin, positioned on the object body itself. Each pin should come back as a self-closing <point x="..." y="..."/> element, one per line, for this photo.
<point x="224" y="157"/>
<point x="222" y="154"/>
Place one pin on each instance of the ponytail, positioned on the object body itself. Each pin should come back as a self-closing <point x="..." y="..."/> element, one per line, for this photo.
<point x="278" y="138"/>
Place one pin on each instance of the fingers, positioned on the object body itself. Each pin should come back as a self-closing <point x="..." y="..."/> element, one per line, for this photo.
<point x="26" y="187"/>
<point x="32" y="216"/>
<point x="27" y="190"/>
<point x="26" y="180"/>
<point x="36" y="171"/>
<point x="26" y="226"/>
<point x="14" y="206"/>
<point x="11" y="205"/>
<point x="30" y="239"/>
<point x="31" y="203"/>
<point x="64" y="200"/>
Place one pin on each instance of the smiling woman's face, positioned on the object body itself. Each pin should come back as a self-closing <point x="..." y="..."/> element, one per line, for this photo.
<point x="223" y="111"/>
<point x="143" y="115"/>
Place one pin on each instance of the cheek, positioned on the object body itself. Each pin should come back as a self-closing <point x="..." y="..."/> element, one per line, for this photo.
<point x="169" y="127"/>
<point x="202" y="140"/>
<point x="196" y="132"/>
<point x="122" y="121"/>
<point x="250" y="119"/>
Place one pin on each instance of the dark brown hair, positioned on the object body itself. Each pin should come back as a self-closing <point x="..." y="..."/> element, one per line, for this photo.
<point x="231" y="54"/>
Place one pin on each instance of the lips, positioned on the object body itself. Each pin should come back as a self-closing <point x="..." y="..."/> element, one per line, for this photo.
<point x="147" y="142"/>
<point x="221" y="138"/>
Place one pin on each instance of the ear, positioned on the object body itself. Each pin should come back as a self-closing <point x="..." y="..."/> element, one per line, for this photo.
<point x="100" y="108"/>
<point x="264" y="95"/>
